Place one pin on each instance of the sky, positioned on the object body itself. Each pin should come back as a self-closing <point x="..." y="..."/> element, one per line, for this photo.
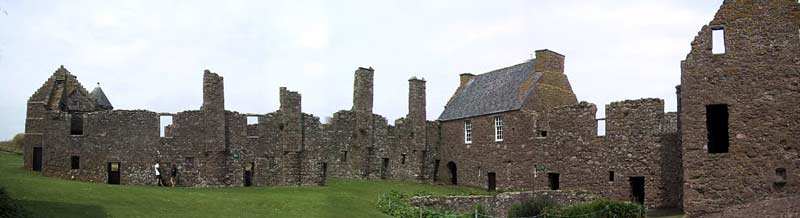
<point x="151" y="54"/>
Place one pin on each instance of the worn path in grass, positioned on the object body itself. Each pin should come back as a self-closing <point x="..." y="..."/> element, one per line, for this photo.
<point x="51" y="197"/>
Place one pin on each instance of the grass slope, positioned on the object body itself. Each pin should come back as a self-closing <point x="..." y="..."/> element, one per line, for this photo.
<point x="50" y="197"/>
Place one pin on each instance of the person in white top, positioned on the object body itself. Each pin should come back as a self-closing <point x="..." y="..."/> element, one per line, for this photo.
<point x="158" y="174"/>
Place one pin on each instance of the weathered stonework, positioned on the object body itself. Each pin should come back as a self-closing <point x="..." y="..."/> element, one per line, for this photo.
<point x="757" y="77"/>
<point x="498" y="205"/>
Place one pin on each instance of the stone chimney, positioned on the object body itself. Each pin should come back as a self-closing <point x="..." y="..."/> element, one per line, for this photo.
<point x="465" y="78"/>
<point x="213" y="92"/>
<point x="549" y="61"/>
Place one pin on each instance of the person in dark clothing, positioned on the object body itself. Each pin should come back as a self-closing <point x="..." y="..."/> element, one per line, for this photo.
<point x="174" y="175"/>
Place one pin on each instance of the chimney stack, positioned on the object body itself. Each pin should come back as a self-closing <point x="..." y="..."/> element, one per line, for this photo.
<point x="549" y="61"/>
<point x="465" y="78"/>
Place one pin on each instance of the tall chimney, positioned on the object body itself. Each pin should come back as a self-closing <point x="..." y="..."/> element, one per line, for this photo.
<point x="549" y="61"/>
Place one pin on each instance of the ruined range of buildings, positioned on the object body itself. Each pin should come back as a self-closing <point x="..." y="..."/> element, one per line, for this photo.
<point x="732" y="141"/>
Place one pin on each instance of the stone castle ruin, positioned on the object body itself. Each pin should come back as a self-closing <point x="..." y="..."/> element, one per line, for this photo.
<point x="731" y="142"/>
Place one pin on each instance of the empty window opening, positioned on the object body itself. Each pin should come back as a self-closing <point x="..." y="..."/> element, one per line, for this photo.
<point x="780" y="176"/>
<point x="76" y="124"/>
<point x="252" y="126"/>
<point x="344" y="156"/>
<point x="403" y="159"/>
<point x="610" y="176"/>
<point x="541" y="134"/>
<point x="75" y="162"/>
<point x="601" y="127"/>
<point x="718" y="41"/>
<point x="553" y="178"/>
<point x="165" y="126"/>
<point x="498" y="129"/>
<point x="385" y="168"/>
<point x="467" y="131"/>
<point x="717" y="126"/>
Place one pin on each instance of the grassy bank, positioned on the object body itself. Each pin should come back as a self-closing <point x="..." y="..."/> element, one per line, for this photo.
<point x="50" y="197"/>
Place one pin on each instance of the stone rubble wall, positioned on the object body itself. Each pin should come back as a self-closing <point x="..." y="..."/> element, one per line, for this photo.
<point x="498" y="205"/>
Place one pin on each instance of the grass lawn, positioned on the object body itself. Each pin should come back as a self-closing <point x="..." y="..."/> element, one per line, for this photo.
<point x="51" y="197"/>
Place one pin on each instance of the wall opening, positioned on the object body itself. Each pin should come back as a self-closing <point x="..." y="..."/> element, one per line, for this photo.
<point x="780" y="177"/>
<point x="541" y="134"/>
<point x="718" y="41"/>
<point x="252" y="126"/>
<point x="553" y="179"/>
<point x="75" y="162"/>
<point x="76" y="124"/>
<point x="436" y="170"/>
<point x="491" y="181"/>
<point x="344" y="156"/>
<point x="637" y="189"/>
<point x="403" y="159"/>
<point x="37" y="159"/>
<point x="717" y="128"/>
<point x="610" y="176"/>
<point x="601" y="127"/>
<point x="114" y="173"/>
<point x="385" y="168"/>
<point x="453" y="172"/>
<point x="248" y="174"/>
<point x="165" y="123"/>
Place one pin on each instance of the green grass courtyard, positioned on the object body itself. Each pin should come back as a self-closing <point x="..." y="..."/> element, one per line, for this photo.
<point x="50" y="197"/>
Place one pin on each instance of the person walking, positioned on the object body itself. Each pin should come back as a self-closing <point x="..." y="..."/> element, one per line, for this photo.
<point x="173" y="175"/>
<point x="158" y="174"/>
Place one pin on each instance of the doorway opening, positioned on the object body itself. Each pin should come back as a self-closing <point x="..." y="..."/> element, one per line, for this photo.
<point x="385" y="168"/>
<point x="453" y="173"/>
<point x="492" y="186"/>
<point x="248" y="174"/>
<point x="554" y="181"/>
<point x="637" y="189"/>
<point x="37" y="159"/>
<point x="113" y="173"/>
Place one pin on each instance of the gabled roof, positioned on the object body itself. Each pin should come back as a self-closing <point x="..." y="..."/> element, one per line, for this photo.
<point x="493" y="92"/>
<point x="101" y="99"/>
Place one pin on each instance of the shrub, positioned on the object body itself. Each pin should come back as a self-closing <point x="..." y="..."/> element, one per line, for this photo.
<point x="8" y="208"/>
<point x="392" y="203"/>
<point x="532" y="207"/>
<point x="598" y="209"/>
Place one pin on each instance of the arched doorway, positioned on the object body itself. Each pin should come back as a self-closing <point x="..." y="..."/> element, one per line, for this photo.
<point x="453" y="172"/>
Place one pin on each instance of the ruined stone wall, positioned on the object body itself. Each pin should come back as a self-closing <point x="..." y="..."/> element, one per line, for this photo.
<point x="635" y="144"/>
<point x="498" y="205"/>
<point x="757" y="78"/>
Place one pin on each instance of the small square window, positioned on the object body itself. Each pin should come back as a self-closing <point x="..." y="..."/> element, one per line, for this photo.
<point x="541" y="134"/>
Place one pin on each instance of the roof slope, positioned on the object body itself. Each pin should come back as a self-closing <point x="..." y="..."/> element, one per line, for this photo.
<point x="493" y="92"/>
<point x="101" y="99"/>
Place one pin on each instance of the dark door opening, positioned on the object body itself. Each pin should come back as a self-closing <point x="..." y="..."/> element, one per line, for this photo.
<point x="554" y="181"/>
<point x="324" y="170"/>
<point x="248" y="174"/>
<point x="436" y="170"/>
<point x="492" y="182"/>
<point x="637" y="189"/>
<point x="113" y="173"/>
<point x="37" y="159"/>
<point x="385" y="168"/>
<point x="453" y="173"/>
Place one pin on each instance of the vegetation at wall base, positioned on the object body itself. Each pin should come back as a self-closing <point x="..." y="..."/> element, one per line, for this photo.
<point x="393" y="203"/>
<point x="598" y="209"/>
<point x="532" y="207"/>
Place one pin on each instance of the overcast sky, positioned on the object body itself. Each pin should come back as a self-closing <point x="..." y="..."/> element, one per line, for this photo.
<point x="151" y="54"/>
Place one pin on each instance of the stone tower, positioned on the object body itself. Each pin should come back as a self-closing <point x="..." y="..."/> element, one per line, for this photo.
<point x="362" y="147"/>
<point x="416" y="121"/>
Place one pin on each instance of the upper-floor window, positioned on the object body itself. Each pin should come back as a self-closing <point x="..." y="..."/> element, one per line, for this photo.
<point x="467" y="131"/>
<point x="498" y="129"/>
<point x="718" y="41"/>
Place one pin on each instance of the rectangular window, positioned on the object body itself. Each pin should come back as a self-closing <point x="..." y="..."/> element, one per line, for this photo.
<point x="467" y="131"/>
<point x="498" y="129"/>
<point x="718" y="41"/>
<point x="610" y="176"/>
<point x="344" y="156"/>
<point x="165" y="125"/>
<point x="601" y="127"/>
<point x="541" y="134"/>
<point x="717" y="127"/>
<point x="76" y="124"/>
<point x="403" y="159"/>
<point x="252" y="126"/>
<point x="75" y="162"/>
<point x="554" y="181"/>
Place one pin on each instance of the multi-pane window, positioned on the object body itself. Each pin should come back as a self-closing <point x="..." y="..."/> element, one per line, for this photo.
<point x="467" y="131"/>
<point x="498" y="129"/>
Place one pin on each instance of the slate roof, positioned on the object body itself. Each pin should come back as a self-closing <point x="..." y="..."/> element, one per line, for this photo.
<point x="101" y="99"/>
<point x="493" y="92"/>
